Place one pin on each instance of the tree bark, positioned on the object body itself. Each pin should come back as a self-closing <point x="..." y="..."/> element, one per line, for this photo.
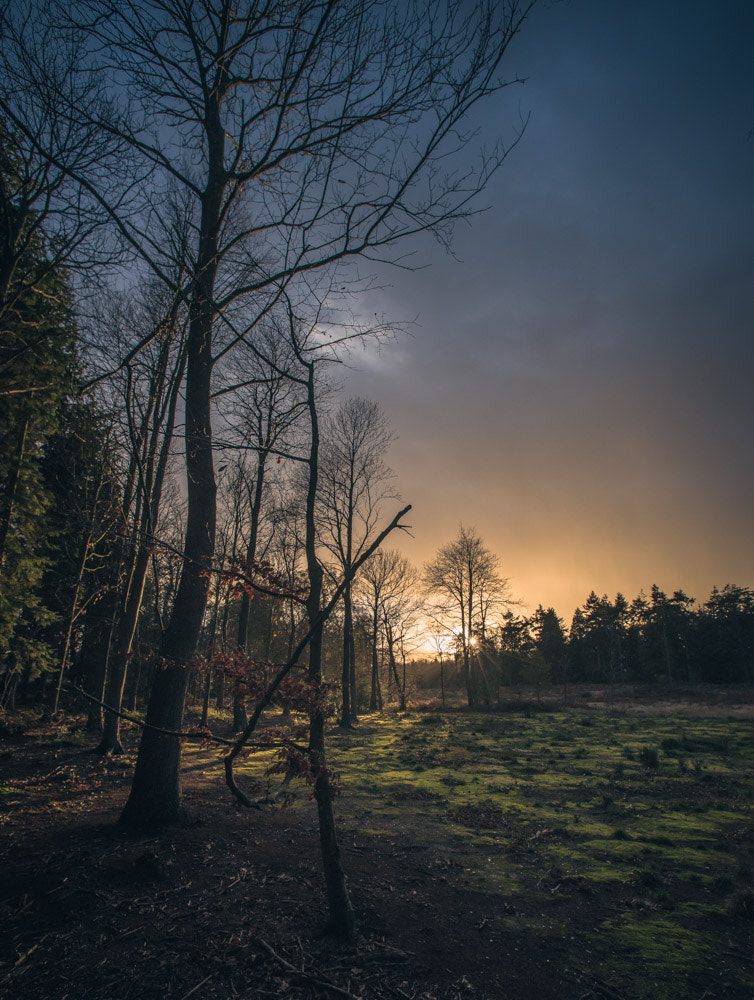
<point x="110" y="743"/>
<point x="352" y="674"/>
<point x="96" y="653"/>
<point x="342" y="920"/>
<point x="155" y="797"/>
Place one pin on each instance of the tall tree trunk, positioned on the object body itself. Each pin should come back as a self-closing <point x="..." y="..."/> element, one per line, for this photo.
<point x="240" y="718"/>
<point x="342" y="920"/>
<point x="394" y="668"/>
<point x="352" y="673"/>
<point x="155" y="797"/>
<point x="484" y="683"/>
<point x="470" y="693"/>
<point x="220" y="677"/>
<point x="375" y="697"/>
<point x="96" y="653"/>
<point x="116" y="682"/>
<point x="75" y="605"/>
<point x="345" y="679"/>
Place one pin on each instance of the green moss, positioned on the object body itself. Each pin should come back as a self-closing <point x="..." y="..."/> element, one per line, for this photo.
<point x="573" y="800"/>
<point x="658" y="940"/>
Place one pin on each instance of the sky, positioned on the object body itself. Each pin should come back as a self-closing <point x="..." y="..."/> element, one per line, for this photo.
<point x="576" y="381"/>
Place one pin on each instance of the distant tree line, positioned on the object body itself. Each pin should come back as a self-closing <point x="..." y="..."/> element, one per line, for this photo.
<point x="655" y="639"/>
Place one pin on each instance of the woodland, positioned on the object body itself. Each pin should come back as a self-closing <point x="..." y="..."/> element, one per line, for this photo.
<point x="209" y="643"/>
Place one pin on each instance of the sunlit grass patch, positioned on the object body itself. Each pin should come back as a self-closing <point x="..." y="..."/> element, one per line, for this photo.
<point x="641" y="813"/>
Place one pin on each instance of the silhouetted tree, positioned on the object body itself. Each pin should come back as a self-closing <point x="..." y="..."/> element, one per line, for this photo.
<point x="550" y="640"/>
<point x="353" y="483"/>
<point x="380" y="583"/>
<point x="464" y="579"/>
<point x="724" y="635"/>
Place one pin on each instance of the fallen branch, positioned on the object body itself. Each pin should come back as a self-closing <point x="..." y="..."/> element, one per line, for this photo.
<point x="198" y="986"/>
<point x="324" y="984"/>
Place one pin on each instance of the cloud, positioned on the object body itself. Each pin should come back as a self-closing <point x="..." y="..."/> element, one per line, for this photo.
<point x="577" y="382"/>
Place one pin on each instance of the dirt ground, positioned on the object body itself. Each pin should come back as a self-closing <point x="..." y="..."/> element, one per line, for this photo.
<point x="231" y="904"/>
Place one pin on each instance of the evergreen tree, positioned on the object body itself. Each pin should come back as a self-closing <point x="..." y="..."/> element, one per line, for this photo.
<point x="550" y="641"/>
<point x="724" y="635"/>
<point x="36" y="373"/>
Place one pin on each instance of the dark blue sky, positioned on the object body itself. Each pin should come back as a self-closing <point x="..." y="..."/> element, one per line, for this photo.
<point x="577" y="385"/>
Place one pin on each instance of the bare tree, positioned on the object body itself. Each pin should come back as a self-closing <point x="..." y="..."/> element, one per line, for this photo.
<point x="442" y="641"/>
<point x="401" y="607"/>
<point x="42" y="150"/>
<point x="464" y="582"/>
<point x="353" y="483"/>
<point x="265" y="404"/>
<point x="310" y="356"/>
<point x="379" y="586"/>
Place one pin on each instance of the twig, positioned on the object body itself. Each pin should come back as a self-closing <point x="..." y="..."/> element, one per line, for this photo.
<point x="128" y="933"/>
<point x="397" y="991"/>
<point x="395" y="951"/>
<point x="198" y="986"/>
<point x="324" y="984"/>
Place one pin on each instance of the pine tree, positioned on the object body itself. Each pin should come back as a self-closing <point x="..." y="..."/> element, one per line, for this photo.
<point x="36" y="371"/>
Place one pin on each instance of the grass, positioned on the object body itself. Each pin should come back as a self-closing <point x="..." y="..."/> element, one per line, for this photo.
<point x="649" y="818"/>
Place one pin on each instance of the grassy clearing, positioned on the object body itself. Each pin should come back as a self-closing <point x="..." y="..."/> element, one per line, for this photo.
<point x="640" y="826"/>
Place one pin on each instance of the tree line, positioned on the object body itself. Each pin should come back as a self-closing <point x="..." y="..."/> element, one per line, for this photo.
<point x="655" y="639"/>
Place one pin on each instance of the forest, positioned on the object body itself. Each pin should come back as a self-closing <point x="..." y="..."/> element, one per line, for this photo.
<point x="204" y="616"/>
